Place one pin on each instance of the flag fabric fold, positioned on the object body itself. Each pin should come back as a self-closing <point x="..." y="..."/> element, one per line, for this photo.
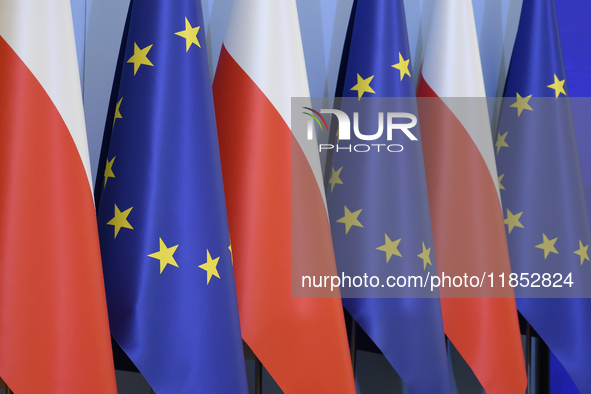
<point x="301" y="341"/>
<point x="391" y="190"/>
<point x="162" y="220"/>
<point x="464" y="196"/>
<point x="54" y="332"/>
<point x="543" y="194"/>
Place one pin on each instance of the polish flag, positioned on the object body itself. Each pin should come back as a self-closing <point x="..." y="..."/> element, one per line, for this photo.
<point x="462" y="183"/>
<point x="301" y="341"/>
<point x="54" y="333"/>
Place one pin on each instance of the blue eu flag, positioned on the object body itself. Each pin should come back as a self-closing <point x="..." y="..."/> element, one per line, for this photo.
<point x="386" y="193"/>
<point x="162" y="220"/>
<point x="542" y="193"/>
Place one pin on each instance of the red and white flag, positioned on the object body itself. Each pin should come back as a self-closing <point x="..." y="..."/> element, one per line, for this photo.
<point x="462" y="183"/>
<point x="54" y="332"/>
<point x="301" y="341"/>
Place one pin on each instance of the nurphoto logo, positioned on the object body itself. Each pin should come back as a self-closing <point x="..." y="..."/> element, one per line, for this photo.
<point x="344" y="130"/>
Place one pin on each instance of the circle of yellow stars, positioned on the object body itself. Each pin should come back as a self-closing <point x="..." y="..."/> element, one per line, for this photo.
<point x="351" y="219"/>
<point x="165" y="254"/>
<point x="513" y="220"/>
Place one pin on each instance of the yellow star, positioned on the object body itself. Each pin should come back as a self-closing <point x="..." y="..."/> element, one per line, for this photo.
<point x="513" y="220"/>
<point x="350" y="219"/>
<point x="363" y="86"/>
<point x="334" y="178"/>
<point x="547" y="246"/>
<point x="390" y="247"/>
<point x="501" y="187"/>
<point x="165" y="255"/>
<point x="231" y="254"/>
<point x="425" y="256"/>
<point x="402" y="65"/>
<point x="140" y="56"/>
<point x="501" y="141"/>
<point x="109" y="170"/>
<point x="120" y="220"/>
<point x="521" y="104"/>
<point x="211" y="267"/>
<point x="189" y="34"/>
<point x="558" y="86"/>
<point x="117" y="113"/>
<point x="582" y="252"/>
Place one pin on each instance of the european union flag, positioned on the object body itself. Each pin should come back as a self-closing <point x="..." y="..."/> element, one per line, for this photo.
<point x="542" y="192"/>
<point x="386" y="226"/>
<point x="162" y="220"/>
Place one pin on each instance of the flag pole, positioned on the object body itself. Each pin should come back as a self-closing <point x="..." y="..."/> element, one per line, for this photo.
<point x="258" y="376"/>
<point x="353" y="343"/>
<point x="6" y="388"/>
<point x="528" y="356"/>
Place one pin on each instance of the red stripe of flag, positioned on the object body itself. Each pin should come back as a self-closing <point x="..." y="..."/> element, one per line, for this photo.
<point x="302" y="342"/>
<point x="54" y="334"/>
<point x="469" y="238"/>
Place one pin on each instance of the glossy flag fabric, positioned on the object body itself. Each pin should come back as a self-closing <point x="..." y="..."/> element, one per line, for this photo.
<point x="391" y="191"/>
<point x="162" y="219"/>
<point x="301" y="341"/>
<point x="54" y="332"/>
<point x="464" y="197"/>
<point x="543" y="195"/>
